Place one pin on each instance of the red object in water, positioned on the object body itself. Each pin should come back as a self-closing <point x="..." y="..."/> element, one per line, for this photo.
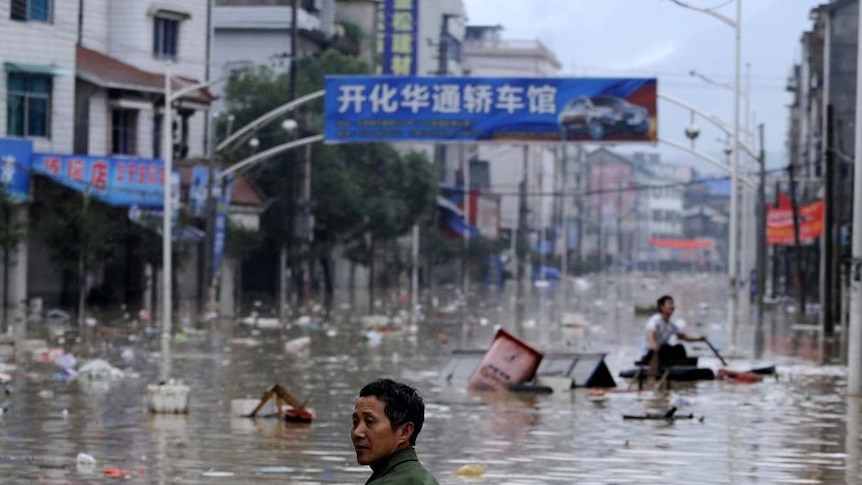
<point x="748" y="377"/>
<point x="509" y="360"/>
<point x="301" y="415"/>
<point x="118" y="473"/>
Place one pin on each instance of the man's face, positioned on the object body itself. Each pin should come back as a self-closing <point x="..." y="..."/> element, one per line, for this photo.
<point x="373" y="437"/>
<point x="667" y="308"/>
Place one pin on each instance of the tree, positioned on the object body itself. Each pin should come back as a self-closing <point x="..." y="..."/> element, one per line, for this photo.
<point x="78" y="233"/>
<point x="364" y="195"/>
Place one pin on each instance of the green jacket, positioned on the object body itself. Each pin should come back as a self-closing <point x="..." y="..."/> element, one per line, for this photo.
<point x="402" y="468"/>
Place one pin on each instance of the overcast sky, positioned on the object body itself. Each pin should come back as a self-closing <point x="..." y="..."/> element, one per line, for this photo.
<point x="656" y="38"/>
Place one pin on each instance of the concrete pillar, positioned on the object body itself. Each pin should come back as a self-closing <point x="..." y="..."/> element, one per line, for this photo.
<point x="18" y="274"/>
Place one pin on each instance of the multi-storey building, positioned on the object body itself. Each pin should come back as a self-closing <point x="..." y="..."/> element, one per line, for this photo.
<point x="820" y="141"/>
<point x="37" y="89"/>
<point x="611" y="206"/>
<point x="487" y="53"/>
<point x="88" y="77"/>
<point x="125" y="48"/>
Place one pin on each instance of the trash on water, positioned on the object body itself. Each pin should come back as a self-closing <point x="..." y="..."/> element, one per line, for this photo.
<point x="66" y="362"/>
<point x="99" y="369"/>
<point x="85" y="463"/>
<point x="297" y="345"/>
<point x="57" y="314"/>
<point x="679" y="401"/>
<point x="127" y="354"/>
<point x="471" y="471"/>
<point x="295" y="412"/>
<point x="216" y="474"/>
<point x="275" y="469"/>
<point x="509" y="360"/>
<point x="170" y="397"/>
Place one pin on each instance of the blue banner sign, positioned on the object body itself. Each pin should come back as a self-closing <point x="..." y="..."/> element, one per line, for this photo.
<point x="198" y="200"/>
<point x="116" y="181"/>
<point x="397" y="31"/>
<point x="222" y="214"/>
<point x="440" y="109"/>
<point x="15" y="168"/>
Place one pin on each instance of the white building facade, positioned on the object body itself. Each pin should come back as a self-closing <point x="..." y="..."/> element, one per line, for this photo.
<point x="87" y="77"/>
<point x="486" y="53"/>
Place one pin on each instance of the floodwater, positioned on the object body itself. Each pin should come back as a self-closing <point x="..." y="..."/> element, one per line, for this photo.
<point x="796" y="428"/>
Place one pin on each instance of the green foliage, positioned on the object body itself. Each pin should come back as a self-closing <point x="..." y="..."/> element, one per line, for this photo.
<point x="11" y="233"/>
<point x="77" y="228"/>
<point x="353" y="32"/>
<point x="241" y="242"/>
<point x="358" y="190"/>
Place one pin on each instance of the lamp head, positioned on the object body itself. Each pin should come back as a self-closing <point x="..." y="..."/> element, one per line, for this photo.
<point x="289" y="125"/>
<point x="692" y="131"/>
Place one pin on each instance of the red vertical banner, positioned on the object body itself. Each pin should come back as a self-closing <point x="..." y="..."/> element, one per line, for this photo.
<point x="779" y="224"/>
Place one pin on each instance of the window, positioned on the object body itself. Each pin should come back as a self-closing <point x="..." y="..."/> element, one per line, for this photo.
<point x="35" y="10"/>
<point x="124" y="132"/>
<point x="29" y="105"/>
<point x="166" y="36"/>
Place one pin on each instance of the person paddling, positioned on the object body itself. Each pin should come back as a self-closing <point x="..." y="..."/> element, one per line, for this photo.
<point x="660" y="329"/>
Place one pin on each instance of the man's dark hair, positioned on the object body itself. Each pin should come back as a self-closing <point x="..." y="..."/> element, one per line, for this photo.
<point x="401" y="403"/>
<point x="661" y="301"/>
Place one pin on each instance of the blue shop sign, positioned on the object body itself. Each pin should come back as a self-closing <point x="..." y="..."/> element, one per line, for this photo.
<point x="15" y="168"/>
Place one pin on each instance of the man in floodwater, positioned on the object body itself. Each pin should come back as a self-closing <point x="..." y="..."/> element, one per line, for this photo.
<point x="387" y="419"/>
<point x="660" y="329"/>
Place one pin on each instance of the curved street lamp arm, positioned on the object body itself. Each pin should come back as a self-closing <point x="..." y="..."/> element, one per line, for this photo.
<point x="266" y="118"/>
<point x="718" y="123"/>
<point x="726" y="20"/>
<point x="269" y="153"/>
<point x="712" y="161"/>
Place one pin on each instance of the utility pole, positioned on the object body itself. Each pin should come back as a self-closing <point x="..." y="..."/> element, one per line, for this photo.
<point x="854" y="377"/>
<point x="208" y="270"/>
<point x="439" y="152"/>
<point x="827" y="248"/>
<point x="290" y="206"/>
<point x="800" y="273"/>
<point x="761" y="245"/>
<point x="776" y="250"/>
<point x="521" y="239"/>
<point x="465" y="176"/>
<point x="561" y="218"/>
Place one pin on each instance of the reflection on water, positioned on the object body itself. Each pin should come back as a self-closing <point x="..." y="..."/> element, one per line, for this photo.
<point x="789" y="430"/>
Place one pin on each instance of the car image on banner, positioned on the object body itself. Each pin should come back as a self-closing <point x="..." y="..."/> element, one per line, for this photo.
<point x="600" y="115"/>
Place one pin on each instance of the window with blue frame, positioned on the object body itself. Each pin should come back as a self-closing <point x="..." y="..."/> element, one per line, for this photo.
<point x="31" y="10"/>
<point x="166" y="36"/>
<point x="28" y="105"/>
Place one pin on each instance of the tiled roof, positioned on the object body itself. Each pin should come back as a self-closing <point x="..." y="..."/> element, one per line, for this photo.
<point x="108" y="72"/>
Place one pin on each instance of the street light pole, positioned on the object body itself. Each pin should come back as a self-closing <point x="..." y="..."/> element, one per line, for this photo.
<point x="736" y="25"/>
<point x="734" y="187"/>
<point x="167" y="200"/>
<point x="167" y="249"/>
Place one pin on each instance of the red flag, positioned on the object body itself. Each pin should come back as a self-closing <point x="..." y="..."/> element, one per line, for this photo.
<point x="783" y="201"/>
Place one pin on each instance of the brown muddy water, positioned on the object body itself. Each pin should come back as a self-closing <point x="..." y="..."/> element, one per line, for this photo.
<point x="796" y="428"/>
